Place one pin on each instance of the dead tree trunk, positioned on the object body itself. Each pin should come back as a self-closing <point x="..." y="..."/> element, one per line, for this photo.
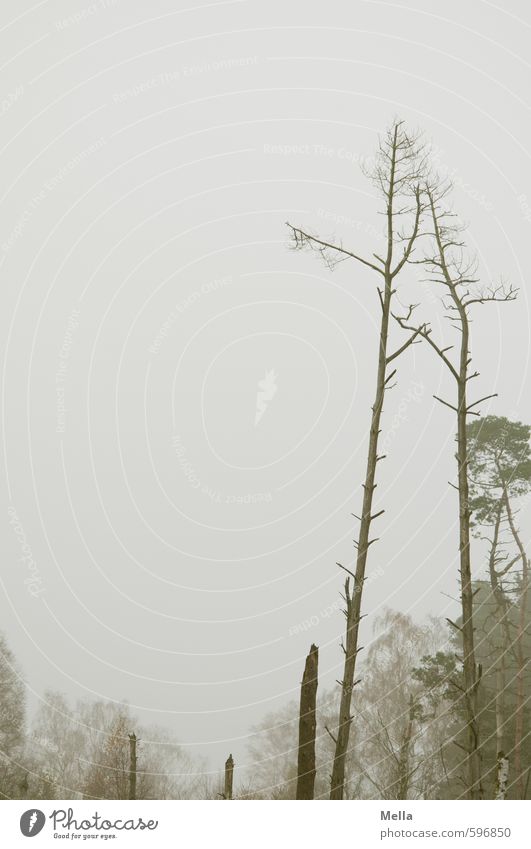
<point x="449" y="268"/>
<point x="471" y="673"/>
<point x="307" y="725"/>
<point x="400" y="149"/>
<point x="353" y="598"/>
<point x="405" y="753"/>
<point x="229" y="775"/>
<point x="132" y="766"/>
<point x="397" y="173"/>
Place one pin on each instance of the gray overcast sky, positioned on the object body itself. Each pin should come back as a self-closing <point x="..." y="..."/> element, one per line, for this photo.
<point x="150" y="157"/>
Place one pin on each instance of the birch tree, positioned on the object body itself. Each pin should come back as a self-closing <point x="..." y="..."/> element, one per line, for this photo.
<point x="396" y="176"/>
<point x="397" y="747"/>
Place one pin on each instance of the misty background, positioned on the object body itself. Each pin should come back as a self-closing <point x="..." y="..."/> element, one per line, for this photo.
<point x="179" y="539"/>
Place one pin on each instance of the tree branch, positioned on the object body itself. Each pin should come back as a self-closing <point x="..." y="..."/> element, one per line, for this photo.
<point x="486" y="398"/>
<point x="301" y="239"/>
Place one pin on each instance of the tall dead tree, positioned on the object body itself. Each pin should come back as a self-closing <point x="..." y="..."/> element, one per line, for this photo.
<point x="132" y="766"/>
<point x="307" y="725"/>
<point x="448" y="266"/>
<point x="397" y="176"/>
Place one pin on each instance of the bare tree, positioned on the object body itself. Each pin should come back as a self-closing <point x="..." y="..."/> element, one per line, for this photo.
<point x="59" y="750"/>
<point x="400" y="730"/>
<point x="397" y="175"/>
<point x="109" y="773"/>
<point x="12" y="721"/>
<point x="272" y="749"/>
<point x="307" y="725"/>
<point x="448" y="265"/>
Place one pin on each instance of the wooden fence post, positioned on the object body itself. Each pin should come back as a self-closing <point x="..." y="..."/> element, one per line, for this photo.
<point x="132" y="766"/>
<point x="229" y="773"/>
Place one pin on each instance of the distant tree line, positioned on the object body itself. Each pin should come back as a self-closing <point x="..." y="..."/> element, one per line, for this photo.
<point x="83" y="751"/>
